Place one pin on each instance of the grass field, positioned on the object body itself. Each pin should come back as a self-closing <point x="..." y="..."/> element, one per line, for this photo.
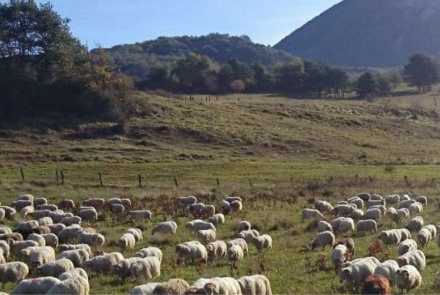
<point x="279" y="154"/>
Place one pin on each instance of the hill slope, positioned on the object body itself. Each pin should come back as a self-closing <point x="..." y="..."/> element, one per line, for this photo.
<point x="137" y="59"/>
<point x="373" y="33"/>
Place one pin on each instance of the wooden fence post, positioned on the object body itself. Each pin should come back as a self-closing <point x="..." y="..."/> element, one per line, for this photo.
<point x="250" y="183"/>
<point x="175" y="181"/>
<point x="140" y="180"/>
<point x="218" y="182"/>
<point x="57" y="176"/>
<point x="22" y="174"/>
<point x="62" y="177"/>
<point x="100" y="179"/>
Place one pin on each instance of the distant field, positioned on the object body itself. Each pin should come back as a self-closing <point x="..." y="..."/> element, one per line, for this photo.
<point x="279" y="154"/>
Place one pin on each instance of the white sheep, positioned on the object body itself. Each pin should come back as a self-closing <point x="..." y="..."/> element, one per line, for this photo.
<point x="123" y="268"/>
<point x="103" y="263"/>
<point x="77" y="256"/>
<point x="145" y="289"/>
<point x="223" y="285"/>
<point x="422" y="200"/>
<point x="27" y="197"/>
<point x="45" y="221"/>
<point x="66" y="204"/>
<point x="68" y="221"/>
<point x="67" y="247"/>
<point x="387" y="269"/>
<point x="216" y="249"/>
<point x="235" y="254"/>
<point x="339" y="255"/>
<point x="392" y="199"/>
<point x="255" y="285"/>
<point x="88" y="214"/>
<point x="391" y="237"/>
<point x="404" y="234"/>
<point x="191" y="251"/>
<point x="18" y="246"/>
<point x="415" y="224"/>
<point x="74" y="273"/>
<point x="368" y="225"/>
<point x="356" y="273"/>
<point x="141" y="215"/>
<point x="10" y="212"/>
<point x="198" y="224"/>
<point x="172" y="286"/>
<point x="405" y="197"/>
<point x="5" y="248"/>
<point x="20" y="204"/>
<point x="69" y="233"/>
<point x="326" y="238"/>
<point x="148" y="252"/>
<point x="376" y="197"/>
<point x="206" y="236"/>
<point x="357" y="214"/>
<point x="39" y="255"/>
<point x="37" y="238"/>
<point x="371" y="203"/>
<point x="324" y="226"/>
<point x="146" y="268"/>
<point x="94" y="202"/>
<point x="93" y="239"/>
<point x="240" y="242"/>
<point x="242" y="226"/>
<point x="406" y="203"/>
<point x="262" y="243"/>
<point x="415" y="209"/>
<point x="55" y="268"/>
<point x="373" y="213"/>
<point x="50" y="240"/>
<point x="432" y="228"/>
<point x="187" y="201"/>
<point x="343" y="210"/>
<point x="35" y="286"/>
<point x="247" y="235"/>
<point x="406" y="246"/>
<point x="13" y="272"/>
<point x="217" y="219"/>
<point x="236" y="206"/>
<point x="424" y="236"/>
<point x="137" y="233"/>
<point x="342" y="225"/>
<point x="408" y="278"/>
<point x="76" y="286"/>
<point x="207" y="211"/>
<point x="166" y="227"/>
<point x="56" y="228"/>
<point x="323" y="206"/>
<point x="24" y="212"/>
<point x="415" y="258"/>
<point x="127" y="241"/>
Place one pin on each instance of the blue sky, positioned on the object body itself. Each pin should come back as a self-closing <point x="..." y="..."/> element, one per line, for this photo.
<point x="112" y="22"/>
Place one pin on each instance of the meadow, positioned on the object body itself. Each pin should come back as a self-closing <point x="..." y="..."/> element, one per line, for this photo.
<point x="279" y="154"/>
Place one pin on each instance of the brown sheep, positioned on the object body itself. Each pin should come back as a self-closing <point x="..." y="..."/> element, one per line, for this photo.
<point x="376" y="284"/>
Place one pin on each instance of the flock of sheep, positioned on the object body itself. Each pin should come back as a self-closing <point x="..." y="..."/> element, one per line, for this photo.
<point x="362" y="214"/>
<point x="50" y="252"/>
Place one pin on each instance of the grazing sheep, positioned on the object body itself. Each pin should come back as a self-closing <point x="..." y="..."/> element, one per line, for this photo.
<point x="339" y="255"/>
<point x="233" y="199"/>
<point x="89" y="214"/>
<point x="69" y="233"/>
<point x="225" y="206"/>
<point x="146" y="268"/>
<point x="27" y="197"/>
<point x="217" y="219"/>
<point x="50" y="207"/>
<point x="74" y="273"/>
<point x="57" y="216"/>
<point x="323" y="206"/>
<point x="207" y="211"/>
<point x="248" y="235"/>
<point x="67" y="247"/>
<point x="387" y="269"/>
<point x="371" y="203"/>
<point x="56" y="228"/>
<point x="196" y="209"/>
<point x="39" y="214"/>
<point x="406" y="203"/>
<point x="311" y="214"/>
<point x="66" y="204"/>
<point x="415" y="258"/>
<point x="424" y="236"/>
<point x="24" y="212"/>
<point x="166" y="227"/>
<point x="117" y="208"/>
<point x="408" y="278"/>
<point x="35" y="286"/>
<point x="224" y="285"/>
<point x="401" y="214"/>
<point x="364" y="197"/>
<point x="5" y="248"/>
<point x="356" y="273"/>
<point x="96" y="240"/>
<point x="50" y="240"/>
<point x="127" y="241"/>
<point x="415" y="224"/>
<point x="415" y="209"/>
<point x="368" y="225"/>
<point x="357" y="214"/>
<point x="191" y="251"/>
<point x="376" y="285"/>
<point x="20" y="204"/>
<point x="422" y="200"/>
<point x="404" y="233"/>
<point x="326" y="238"/>
<point x="262" y="243"/>
<point x="137" y="233"/>
<point x="27" y="226"/>
<point x="343" y="210"/>
<point x="255" y="285"/>
<point x="376" y="197"/>
<point x="37" y="238"/>
<point x="357" y="201"/>
<point x="391" y="237"/>
<point x="39" y="255"/>
<point x="55" y="268"/>
<point x="10" y="212"/>
<point x="240" y="242"/>
<point x="392" y="199"/>
<point x="103" y="263"/>
<point x="146" y="289"/>
<point x="171" y="287"/>
<point x="216" y="249"/>
<point x="242" y="226"/>
<point x="45" y="221"/>
<point x="148" y="252"/>
<point x="198" y="224"/>
<point x="77" y="256"/>
<point x="187" y="201"/>
<point x="5" y="230"/>
<point x="13" y="272"/>
<point x="324" y="226"/>
<point x="405" y="197"/>
<point x="406" y="246"/>
<point x="206" y="236"/>
<point x="76" y="286"/>
<point x="342" y="225"/>
<point x="373" y="213"/>
<point x="12" y="236"/>
<point x="141" y="215"/>
<point x="432" y="228"/>
<point x="18" y="246"/>
<point x="236" y="206"/>
<point x="94" y="202"/>
<point x="2" y="214"/>
<point x="40" y="201"/>
<point x="349" y="243"/>
<point x="235" y="254"/>
<point x="123" y="268"/>
<point x="68" y="221"/>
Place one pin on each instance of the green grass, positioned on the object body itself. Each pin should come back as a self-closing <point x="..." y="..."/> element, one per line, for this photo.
<point x="320" y="145"/>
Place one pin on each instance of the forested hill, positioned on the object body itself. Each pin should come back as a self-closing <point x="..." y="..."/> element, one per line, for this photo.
<point x="369" y="33"/>
<point x="137" y="59"/>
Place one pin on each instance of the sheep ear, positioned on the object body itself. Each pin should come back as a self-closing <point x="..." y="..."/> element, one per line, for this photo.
<point x="346" y="271"/>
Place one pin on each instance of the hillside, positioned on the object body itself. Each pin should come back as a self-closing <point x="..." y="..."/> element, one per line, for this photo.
<point x="137" y="59"/>
<point x="373" y="33"/>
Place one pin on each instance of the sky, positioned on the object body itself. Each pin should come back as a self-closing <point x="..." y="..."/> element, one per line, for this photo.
<point x="112" y="22"/>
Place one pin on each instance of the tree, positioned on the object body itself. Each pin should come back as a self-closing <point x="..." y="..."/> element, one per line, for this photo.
<point x="289" y="77"/>
<point x="421" y="71"/>
<point x="337" y="81"/>
<point x="263" y="79"/>
<point x="366" y="85"/>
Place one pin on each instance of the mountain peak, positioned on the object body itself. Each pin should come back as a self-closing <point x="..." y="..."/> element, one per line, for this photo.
<point x="369" y="33"/>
